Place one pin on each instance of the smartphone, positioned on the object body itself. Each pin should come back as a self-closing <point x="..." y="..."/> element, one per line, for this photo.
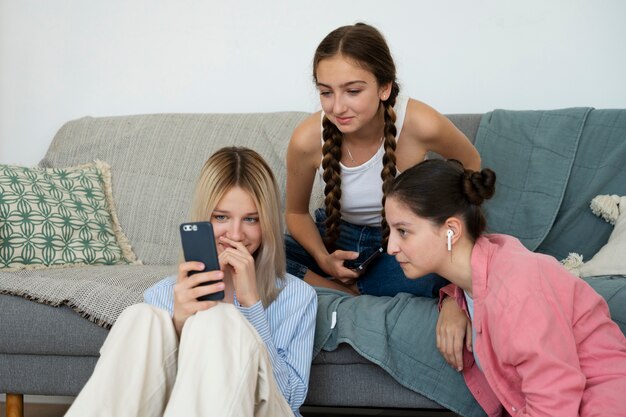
<point x="359" y="264"/>
<point x="198" y="243"/>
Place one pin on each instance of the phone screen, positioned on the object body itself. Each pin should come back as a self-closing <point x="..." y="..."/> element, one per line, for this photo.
<point x="198" y="243"/>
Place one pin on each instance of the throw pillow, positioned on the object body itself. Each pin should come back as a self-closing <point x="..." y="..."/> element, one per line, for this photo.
<point x="59" y="217"/>
<point x="610" y="259"/>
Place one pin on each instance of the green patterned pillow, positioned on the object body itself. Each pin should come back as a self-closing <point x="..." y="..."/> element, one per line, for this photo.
<point x="59" y="217"/>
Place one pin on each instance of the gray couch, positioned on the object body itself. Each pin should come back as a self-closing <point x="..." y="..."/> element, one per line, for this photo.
<point x="48" y="350"/>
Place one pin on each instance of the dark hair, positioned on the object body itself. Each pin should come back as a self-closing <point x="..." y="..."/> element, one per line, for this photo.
<point x="437" y="189"/>
<point x="366" y="46"/>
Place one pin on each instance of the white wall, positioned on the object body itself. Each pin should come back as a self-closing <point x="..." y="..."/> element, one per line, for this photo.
<point x="64" y="59"/>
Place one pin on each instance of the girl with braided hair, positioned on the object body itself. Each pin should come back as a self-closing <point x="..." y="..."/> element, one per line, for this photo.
<point x="543" y="342"/>
<point x="368" y="134"/>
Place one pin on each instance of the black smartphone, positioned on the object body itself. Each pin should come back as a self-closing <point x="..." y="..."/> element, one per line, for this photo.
<point x="199" y="245"/>
<point x="361" y="263"/>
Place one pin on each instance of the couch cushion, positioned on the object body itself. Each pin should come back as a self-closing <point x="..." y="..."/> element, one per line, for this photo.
<point x="45" y="374"/>
<point x="29" y="328"/>
<point x="370" y="385"/>
<point x="59" y="217"/>
<point x="155" y="161"/>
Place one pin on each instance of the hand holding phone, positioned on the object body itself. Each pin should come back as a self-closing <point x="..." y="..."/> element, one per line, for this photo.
<point x="198" y="243"/>
<point x="361" y="263"/>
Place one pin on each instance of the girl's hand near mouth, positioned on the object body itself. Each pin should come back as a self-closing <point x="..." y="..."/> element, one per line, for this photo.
<point x="237" y="261"/>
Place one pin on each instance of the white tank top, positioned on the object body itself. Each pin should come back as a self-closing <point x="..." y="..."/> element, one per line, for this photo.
<point x="361" y="186"/>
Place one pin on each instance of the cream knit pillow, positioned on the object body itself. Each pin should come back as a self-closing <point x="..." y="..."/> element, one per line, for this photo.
<point x="611" y="258"/>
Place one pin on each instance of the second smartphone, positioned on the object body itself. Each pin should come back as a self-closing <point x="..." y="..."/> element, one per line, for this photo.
<point x="362" y="262"/>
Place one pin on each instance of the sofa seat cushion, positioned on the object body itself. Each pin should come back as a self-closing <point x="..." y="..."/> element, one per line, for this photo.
<point x="370" y="385"/>
<point x="30" y="328"/>
<point x="45" y="374"/>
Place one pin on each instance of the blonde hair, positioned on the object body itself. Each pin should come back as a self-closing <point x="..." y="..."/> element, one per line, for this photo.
<point x="244" y="168"/>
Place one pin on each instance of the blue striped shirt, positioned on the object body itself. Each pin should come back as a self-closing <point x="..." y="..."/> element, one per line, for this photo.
<point x="287" y="327"/>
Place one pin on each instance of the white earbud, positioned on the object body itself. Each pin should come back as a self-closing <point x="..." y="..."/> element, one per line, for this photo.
<point x="450" y="233"/>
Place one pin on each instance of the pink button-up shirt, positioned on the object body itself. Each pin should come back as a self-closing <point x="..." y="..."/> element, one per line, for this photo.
<point x="544" y="338"/>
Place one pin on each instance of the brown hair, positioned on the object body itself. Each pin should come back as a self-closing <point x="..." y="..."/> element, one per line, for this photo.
<point x="437" y="189"/>
<point x="365" y="45"/>
<point x="244" y="168"/>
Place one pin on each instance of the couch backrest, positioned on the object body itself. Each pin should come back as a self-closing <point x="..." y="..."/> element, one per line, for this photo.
<point x="155" y="160"/>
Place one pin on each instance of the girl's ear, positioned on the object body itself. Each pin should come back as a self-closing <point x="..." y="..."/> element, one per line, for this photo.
<point x="456" y="226"/>
<point x="384" y="92"/>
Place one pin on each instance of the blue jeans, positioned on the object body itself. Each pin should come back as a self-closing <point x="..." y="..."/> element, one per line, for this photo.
<point x="383" y="276"/>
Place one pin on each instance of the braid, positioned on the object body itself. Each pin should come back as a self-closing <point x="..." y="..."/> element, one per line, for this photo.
<point x="331" y="151"/>
<point x="389" y="159"/>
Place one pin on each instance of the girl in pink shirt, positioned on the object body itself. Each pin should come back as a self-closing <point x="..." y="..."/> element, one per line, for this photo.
<point x="543" y="341"/>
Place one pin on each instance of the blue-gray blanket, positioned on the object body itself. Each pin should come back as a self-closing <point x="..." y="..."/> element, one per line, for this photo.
<point x="398" y="334"/>
<point x="549" y="165"/>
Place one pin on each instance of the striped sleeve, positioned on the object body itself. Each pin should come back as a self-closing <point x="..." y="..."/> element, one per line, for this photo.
<point x="289" y="338"/>
<point x="161" y="294"/>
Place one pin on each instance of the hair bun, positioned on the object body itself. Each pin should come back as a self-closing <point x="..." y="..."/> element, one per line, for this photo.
<point x="479" y="186"/>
